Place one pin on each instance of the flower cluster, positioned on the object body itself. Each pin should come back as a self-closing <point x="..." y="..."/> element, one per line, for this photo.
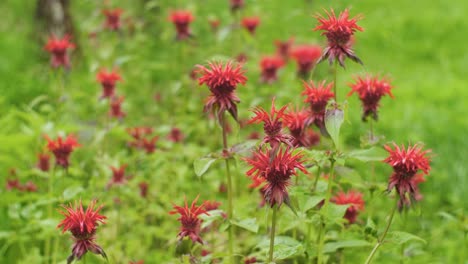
<point x="354" y="200"/>
<point x="181" y="20"/>
<point x="118" y="175"/>
<point x="250" y="24"/>
<point x="318" y="95"/>
<point x="189" y="220"/>
<point x="15" y="184"/>
<point x="306" y="56"/>
<point x="297" y="123"/>
<point x="108" y="80"/>
<point x="113" y="18"/>
<point x="143" y="139"/>
<point x="269" y="66"/>
<point x="58" y="48"/>
<point x="62" y="148"/>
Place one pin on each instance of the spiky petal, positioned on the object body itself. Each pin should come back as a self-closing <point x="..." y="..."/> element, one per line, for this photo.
<point x="354" y="200"/>
<point x="318" y="95"/>
<point x="306" y="56"/>
<point x="62" y="149"/>
<point x="269" y="66"/>
<point x="297" y="123"/>
<point x="250" y="24"/>
<point x="189" y="220"/>
<point x="58" y="48"/>
<point x="181" y="20"/>
<point x="108" y="80"/>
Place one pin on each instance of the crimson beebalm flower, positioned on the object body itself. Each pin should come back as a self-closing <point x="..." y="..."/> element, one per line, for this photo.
<point x="306" y="57"/>
<point x="283" y="48"/>
<point x="222" y="82"/>
<point x="82" y="225"/>
<point x="270" y="66"/>
<point x="276" y="168"/>
<point x="250" y="260"/>
<point x="406" y="164"/>
<point x="13" y="184"/>
<point x="143" y="189"/>
<point x="211" y="205"/>
<point x="108" y="79"/>
<point x="297" y="123"/>
<point x="43" y="161"/>
<point x="189" y="220"/>
<point x="149" y="144"/>
<point x="62" y="148"/>
<point x="175" y="135"/>
<point x="142" y="139"/>
<point x="113" y="18"/>
<point x="250" y="24"/>
<point x="317" y="95"/>
<point x="118" y="175"/>
<point x="272" y="125"/>
<point x="236" y="4"/>
<point x="370" y="89"/>
<point x="116" y="107"/>
<point x="214" y="23"/>
<point x="338" y="31"/>
<point x="58" y="48"/>
<point x="355" y="202"/>
<point x="182" y="20"/>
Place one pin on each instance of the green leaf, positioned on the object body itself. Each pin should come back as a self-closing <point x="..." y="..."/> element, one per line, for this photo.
<point x="202" y="165"/>
<point x="399" y="237"/>
<point x="212" y="216"/>
<point x="244" y="148"/>
<point x="249" y="224"/>
<point x="335" y="212"/>
<point x="285" y="247"/>
<point x="71" y="192"/>
<point x="312" y="201"/>
<point x="366" y="155"/>
<point x="333" y="120"/>
<point x="333" y="246"/>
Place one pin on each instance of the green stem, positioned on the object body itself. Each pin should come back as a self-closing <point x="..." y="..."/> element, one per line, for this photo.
<point x="272" y="233"/>
<point x="382" y="238"/>
<point x="319" y="171"/>
<point x="371" y="127"/>
<point x="334" y="83"/>
<point x="324" y="209"/>
<point x="229" y="190"/>
<point x="49" y="211"/>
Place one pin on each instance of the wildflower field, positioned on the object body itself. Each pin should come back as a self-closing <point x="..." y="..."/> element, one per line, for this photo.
<point x="233" y="131"/>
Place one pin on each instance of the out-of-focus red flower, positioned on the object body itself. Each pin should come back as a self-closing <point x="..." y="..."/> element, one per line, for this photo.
<point x="108" y="79"/>
<point x="236" y="4"/>
<point x="175" y="135"/>
<point x="211" y="205"/>
<point x="370" y="90"/>
<point x="118" y="175"/>
<point x="270" y="66"/>
<point x="116" y="107"/>
<point x="222" y="188"/>
<point x="305" y="56"/>
<point x="62" y="149"/>
<point x="13" y="184"/>
<point x="149" y="144"/>
<point x="113" y="18"/>
<point x="276" y="168"/>
<point x="241" y="57"/>
<point x="406" y="164"/>
<point x="214" y="23"/>
<point x="182" y="20"/>
<point x="143" y="189"/>
<point x="415" y="181"/>
<point x="137" y="262"/>
<point x="58" y="48"/>
<point x="43" y="161"/>
<point x="254" y="135"/>
<point x="317" y="95"/>
<point x="250" y="260"/>
<point x="142" y="139"/>
<point x="338" y="31"/>
<point x="297" y="122"/>
<point x="283" y="48"/>
<point x="82" y="225"/>
<point x="222" y="82"/>
<point x="189" y="220"/>
<point x="250" y="24"/>
<point x="272" y="125"/>
<point x="30" y="187"/>
<point x="355" y="202"/>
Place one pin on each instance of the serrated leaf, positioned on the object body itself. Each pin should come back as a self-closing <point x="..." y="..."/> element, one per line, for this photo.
<point x="202" y="165"/>
<point x="333" y="120"/>
<point x="71" y="192"/>
<point x="285" y="247"/>
<point x="212" y="216"/>
<point x="249" y="224"/>
<point x="399" y="237"/>
<point x="366" y="155"/>
<point x="334" y="212"/>
<point x="244" y="147"/>
<point x="334" y="246"/>
<point x="312" y="201"/>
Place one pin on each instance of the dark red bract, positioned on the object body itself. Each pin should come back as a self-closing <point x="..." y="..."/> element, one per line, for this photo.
<point x="181" y="20"/>
<point x="189" y="220"/>
<point x="236" y="4"/>
<point x="58" y="48"/>
<point x="108" y="79"/>
<point x="62" y="149"/>
<point x="269" y="66"/>
<point x="113" y="18"/>
<point x="355" y="202"/>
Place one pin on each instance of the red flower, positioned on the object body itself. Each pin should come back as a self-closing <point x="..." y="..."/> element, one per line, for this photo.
<point x="175" y="135"/>
<point x="113" y="18"/>
<point x="108" y="80"/>
<point x="250" y="24"/>
<point x="58" y="49"/>
<point x="370" y="90"/>
<point x="283" y="48"/>
<point x="406" y="164"/>
<point x="250" y="260"/>
<point x="222" y="83"/>
<point x="211" y="205"/>
<point x="297" y="123"/>
<point x="30" y="187"/>
<point x="272" y="125"/>
<point x="139" y="132"/>
<point x="241" y="57"/>
<point x="270" y="66"/>
<point x="142" y="139"/>
<point x="82" y="224"/>
<point x="189" y="220"/>
<point x="236" y="4"/>
<point x="116" y="107"/>
<point x="13" y="184"/>
<point x="355" y="201"/>
<point x="214" y="23"/>
<point x="276" y="168"/>
<point x="62" y="149"/>
<point x="118" y="175"/>
<point x="181" y="20"/>
<point x="43" y="162"/>
<point x="149" y="144"/>
<point x="305" y="56"/>
<point x="318" y="95"/>
<point x="143" y="189"/>
<point x="338" y="31"/>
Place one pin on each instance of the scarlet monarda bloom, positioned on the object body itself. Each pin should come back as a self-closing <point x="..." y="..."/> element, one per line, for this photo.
<point x="108" y="79"/>
<point x="175" y="135"/>
<point x="112" y="18"/>
<point x="406" y="164"/>
<point x="143" y="189"/>
<point x="276" y="168"/>
<point x="272" y="125"/>
<point x="305" y="56"/>
<point x="43" y="161"/>
<point x="214" y="23"/>
<point x="116" y="107"/>
<point x="370" y="90"/>
<point x="297" y="123"/>
<point x="283" y="48"/>
<point x="58" y="48"/>
<point x="211" y="205"/>
<point x="62" y="148"/>
<point x="250" y="24"/>
<point x="82" y="225"/>
<point x="355" y="202"/>
<point x="142" y="139"/>
<point x="118" y="175"/>
<point x="318" y="95"/>
<point x="182" y="20"/>
<point x="189" y="220"/>
<point x="338" y="31"/>
<point x="222" y="81"/>
<point x="149" y="144"/>
<point x="269" y="66"/>
<point x="236" y="4"/>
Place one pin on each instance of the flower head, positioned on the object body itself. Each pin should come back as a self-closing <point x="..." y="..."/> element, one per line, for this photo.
<point x="370" y="90"/>
<point x="175" y="135"/>
<point x="355" y="202"/>
<point x="182" y="20"/>
<point x="108" y="80"/>
<point x="58" y="49"/>
<point x="318" y="95"/>
<point x="43" y="161"/>
<point x="143" y="189"/>
<point x="236" y="4"/>
<point x="270" y="66"/>
<point x="214" y="23"/>
<point x="189" y="220"/>
<point x="118" y="175"/>
<point x="113" y="18"/>
<point x="338" y="31"/>
<point x="116" y="107"/>
<point x="222" y="82"/>
<point x="82" y="224"/>
<point x="276" y="168"/>
<point x="305" y="56"/>
<point x="283" y="48"/>
<point x="406" y="164"/>
<point x="62" y="148"/>
<point x="149" y="144"/>
<point x="297" y="123"/>
<point x="250" y="24"/>
<point x="211" y="205"/>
